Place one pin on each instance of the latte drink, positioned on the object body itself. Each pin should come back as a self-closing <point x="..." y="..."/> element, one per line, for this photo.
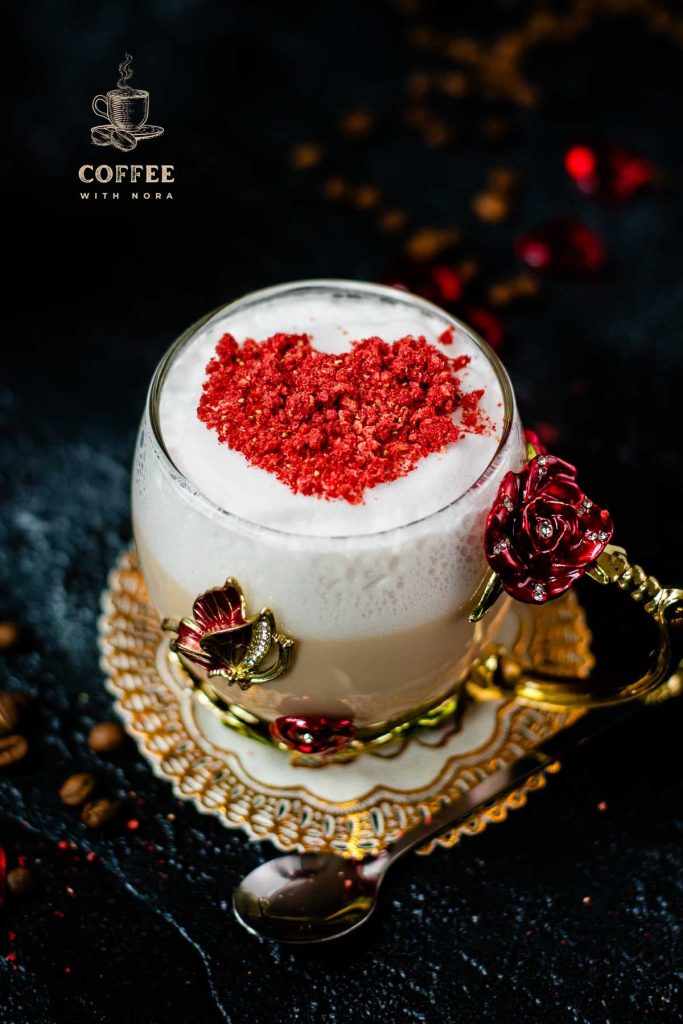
<point x="374" y="584"/>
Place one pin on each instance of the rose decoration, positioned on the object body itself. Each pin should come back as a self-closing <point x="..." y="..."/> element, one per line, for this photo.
<point x="534" y="444"/>
<point x="226" y="643"/>
<point x="312" y="734"/>
<point x="543" y="533"/>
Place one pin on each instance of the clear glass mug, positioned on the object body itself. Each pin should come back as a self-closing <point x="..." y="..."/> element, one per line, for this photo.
<point x="351" y="660"/>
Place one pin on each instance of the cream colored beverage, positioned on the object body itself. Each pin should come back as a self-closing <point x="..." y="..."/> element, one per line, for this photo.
<point x="375" y="592"/>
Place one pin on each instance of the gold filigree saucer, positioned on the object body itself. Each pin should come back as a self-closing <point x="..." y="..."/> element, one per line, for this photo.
<point x="355" y="809"/>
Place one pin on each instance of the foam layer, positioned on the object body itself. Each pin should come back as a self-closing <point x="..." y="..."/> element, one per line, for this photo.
<point x="333" y="320"/>
<point x="321" y="585"/>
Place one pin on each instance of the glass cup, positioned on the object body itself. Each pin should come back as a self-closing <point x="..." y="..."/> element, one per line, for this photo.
<point x="326" y="591"/>
<point x="380" y="623"/>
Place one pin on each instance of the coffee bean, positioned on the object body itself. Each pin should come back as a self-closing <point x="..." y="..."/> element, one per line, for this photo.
<point x="454" y="84"/>
<point x="528" y="286"/>
<point x="357" y="124"/>
<point x="9" y="634"/>
<point x="516" y="290"/>
<point x="366" y="197"/>
<point x="100" y="812"/>
<point x="393" y="220"/>
<point x="12" y="749"/>
<point x="77" y="789"/>
<point x="9" y="711"/>
<point x="502" y="179"/>
<point x="334" y="188"/>
<point x="20" y="881"/>
<point x="306" y="155"/>
<point x="106" y="737"/>
<point x="491" y="207"/>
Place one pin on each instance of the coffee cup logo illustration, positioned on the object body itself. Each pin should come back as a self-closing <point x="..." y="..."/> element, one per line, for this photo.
<point x="125" y="110"/>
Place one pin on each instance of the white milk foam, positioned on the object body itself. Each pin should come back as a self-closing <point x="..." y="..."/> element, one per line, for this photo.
<point x="226" y="478"/>
<point x="328" y="569"/>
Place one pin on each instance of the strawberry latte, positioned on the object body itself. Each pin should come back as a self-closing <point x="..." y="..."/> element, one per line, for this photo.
<point x="335" y="447"/>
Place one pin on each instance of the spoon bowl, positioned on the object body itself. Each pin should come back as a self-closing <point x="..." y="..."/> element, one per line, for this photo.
<point x="305" y="898"/>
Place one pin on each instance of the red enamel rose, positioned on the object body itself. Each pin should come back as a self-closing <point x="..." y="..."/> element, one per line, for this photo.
<point x="543" y="532"/>
<point x="534" y="442"/>
<point x="312" y="734"/>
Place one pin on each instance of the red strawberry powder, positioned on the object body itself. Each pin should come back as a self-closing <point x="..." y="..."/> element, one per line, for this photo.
<point x="334" y="425"/>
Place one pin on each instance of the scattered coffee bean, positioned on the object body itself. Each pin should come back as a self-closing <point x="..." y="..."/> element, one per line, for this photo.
<point x="426" y="243"/>
<point x="528" y="286"/>
<point x="9" y="634"/>
<point x="20" y="881"/>
<point x="106" y="737"/>
<point x="306" y="155"/>
<point x="492" y="207"/>
<point x="393" y="220"/>
<point x="501" y="294"/>
<point x="502" y="179"/>
<point x="100" y="812"/>
<point x="365" y="197"/>
<point x="9" y="711"/>
<point x="516" y="290"/>
<point x="77" y="788"/>
<point x="12" y="749"/>
<point x="467" y="269"/>
<point x="454" y="84"/>
<point x="357" y="124"/>
<point x="436" y="134"/>
<point x="334" y="188"/>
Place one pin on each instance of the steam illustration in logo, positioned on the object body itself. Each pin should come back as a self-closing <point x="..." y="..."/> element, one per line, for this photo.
<point x="125" y="110"/>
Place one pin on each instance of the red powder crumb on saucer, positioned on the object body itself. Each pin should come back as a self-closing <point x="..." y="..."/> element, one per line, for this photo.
<point x="333" y="425"/>
<point x="447" y="336"/>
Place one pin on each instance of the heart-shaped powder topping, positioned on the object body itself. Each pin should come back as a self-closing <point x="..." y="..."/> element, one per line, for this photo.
<point x="334" y="424"/>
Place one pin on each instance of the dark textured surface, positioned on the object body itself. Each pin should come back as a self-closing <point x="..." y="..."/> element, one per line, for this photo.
<point x="565" y="913"/>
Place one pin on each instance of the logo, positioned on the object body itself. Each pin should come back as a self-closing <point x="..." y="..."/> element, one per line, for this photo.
<point x="126" y="111"/>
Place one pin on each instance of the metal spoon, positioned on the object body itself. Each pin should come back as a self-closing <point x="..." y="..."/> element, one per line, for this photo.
<point x="315" y="897"/>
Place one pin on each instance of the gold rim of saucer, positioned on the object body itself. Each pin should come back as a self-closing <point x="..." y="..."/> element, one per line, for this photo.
<point x="162" y="718"/>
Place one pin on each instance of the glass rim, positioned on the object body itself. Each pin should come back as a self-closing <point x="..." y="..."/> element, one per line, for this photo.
<point x="251" y="298"/>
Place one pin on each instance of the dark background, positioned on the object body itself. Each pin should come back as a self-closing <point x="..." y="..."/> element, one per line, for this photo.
<point x="567" y="912"/>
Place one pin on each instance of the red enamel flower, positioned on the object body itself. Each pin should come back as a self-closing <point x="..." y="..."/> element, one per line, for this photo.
<point x="534" y="442"/>
<point x="543" y="532"/>
<point x="312" y="734"/>
<point x="226" y="643"/>
<point x="218" y="620"/>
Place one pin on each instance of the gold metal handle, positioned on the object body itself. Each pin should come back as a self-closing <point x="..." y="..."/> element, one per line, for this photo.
<point x="495" y="674"/>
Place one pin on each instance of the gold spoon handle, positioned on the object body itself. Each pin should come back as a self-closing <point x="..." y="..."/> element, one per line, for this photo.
<point x="498" y="784"/>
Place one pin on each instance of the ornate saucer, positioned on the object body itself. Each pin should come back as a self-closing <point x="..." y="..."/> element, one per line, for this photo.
<point x="357" y="808"/>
